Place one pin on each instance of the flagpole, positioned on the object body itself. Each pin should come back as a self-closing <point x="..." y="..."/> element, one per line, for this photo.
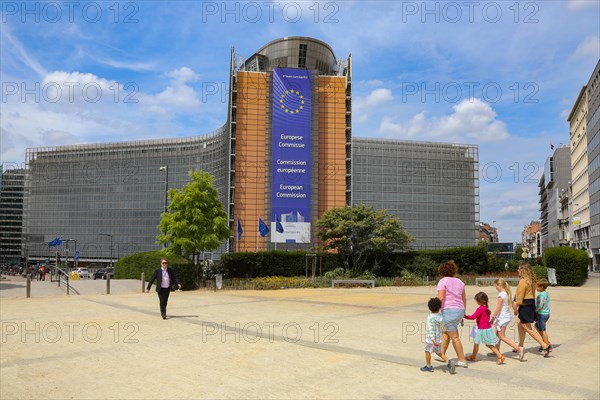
<point x="237" y="237"/>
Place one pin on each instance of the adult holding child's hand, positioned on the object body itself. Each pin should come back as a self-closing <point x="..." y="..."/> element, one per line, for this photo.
<point x="524" y="307"/>
<point x="451" y="291"/>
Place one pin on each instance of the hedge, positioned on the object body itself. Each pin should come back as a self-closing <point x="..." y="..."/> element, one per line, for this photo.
<point x="470" y="260"/>
<point x="132" y="266"/>
<point x="571" y="265"/>
<point x="274" y="263"/>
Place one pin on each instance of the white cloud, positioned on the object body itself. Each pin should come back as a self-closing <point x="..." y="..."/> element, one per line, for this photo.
<point x="517" y="210"/>
<point x="362" y="105"/>
<point x="472" y="121"/>
<point x="76" y="107"/>
<point x="177" y="97"/>
<point x="581" y="4"/>
<point x="590" y="47"/>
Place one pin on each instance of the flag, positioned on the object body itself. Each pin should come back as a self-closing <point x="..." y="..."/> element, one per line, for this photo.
<point x="240" y="230"/>
<point x="551" y="146"/>
<point x="278" y="226"/>
<point x="262" y="227"/>
<point x="55" y="242"/>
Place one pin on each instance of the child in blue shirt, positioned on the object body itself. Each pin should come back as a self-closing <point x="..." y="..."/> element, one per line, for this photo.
<point x="542" y="310"/>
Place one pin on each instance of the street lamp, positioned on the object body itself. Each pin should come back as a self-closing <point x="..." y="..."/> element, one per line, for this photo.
<point x="111" y="246"/>
<point x="165" y="168"/>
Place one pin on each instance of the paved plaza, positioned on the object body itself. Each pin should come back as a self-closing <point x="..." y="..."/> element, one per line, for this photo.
<point x="285" y="344"/>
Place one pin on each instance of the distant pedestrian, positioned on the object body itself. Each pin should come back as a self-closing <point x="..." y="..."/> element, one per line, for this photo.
<point x="524" y="307"/>
<point x="485" y="333"/>
<point x="542" y="310"/>
<point x="165" y="278"/>
<point x="451" y="291"/>
<point x="501" y="316"/>
<point x="433" y="336"/>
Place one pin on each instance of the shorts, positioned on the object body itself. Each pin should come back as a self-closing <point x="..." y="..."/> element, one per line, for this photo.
<point x="432" y="348"/>
<point x="540" y="322"/>
<point x="452" y="317"/>
<point x="527" y="311"/>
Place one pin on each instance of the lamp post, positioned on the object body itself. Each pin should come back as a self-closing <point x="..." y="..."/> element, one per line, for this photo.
<point x="165" y="168"/>
<point x="111" y="246"/>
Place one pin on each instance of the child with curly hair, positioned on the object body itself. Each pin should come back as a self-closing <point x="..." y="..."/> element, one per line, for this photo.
<point x="433" y="336"/>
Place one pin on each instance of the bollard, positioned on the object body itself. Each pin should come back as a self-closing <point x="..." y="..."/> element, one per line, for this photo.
<point x="28" y="290"/>
<point x="143" y="282"/>
<point x="107" y="283"/>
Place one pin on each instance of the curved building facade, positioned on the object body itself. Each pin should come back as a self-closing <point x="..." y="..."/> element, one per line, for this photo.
<point x="284" y="156"/>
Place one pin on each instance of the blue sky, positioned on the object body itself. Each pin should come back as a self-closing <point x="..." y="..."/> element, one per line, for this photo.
<point x="503" y="75"/>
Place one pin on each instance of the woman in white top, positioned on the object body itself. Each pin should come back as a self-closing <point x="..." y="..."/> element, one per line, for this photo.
<point x="502" y="315"/>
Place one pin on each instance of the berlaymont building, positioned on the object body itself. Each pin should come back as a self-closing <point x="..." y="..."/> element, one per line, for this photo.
<point x="286" y="153"/>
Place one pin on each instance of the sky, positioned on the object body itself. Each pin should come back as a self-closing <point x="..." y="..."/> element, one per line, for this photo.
<point x="500" y="74"/>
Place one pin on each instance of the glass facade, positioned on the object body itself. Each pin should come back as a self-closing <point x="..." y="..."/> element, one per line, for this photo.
<point x="12" y="188"/>
<point x="78" y="192"/>
<point x="432" y="187"/>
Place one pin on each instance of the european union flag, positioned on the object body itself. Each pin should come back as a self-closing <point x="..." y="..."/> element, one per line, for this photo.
<point x="278" y="226"/>
<point x="262" y="227"/>
<point x="240" y="230"/>
<point x="56" y="242"/>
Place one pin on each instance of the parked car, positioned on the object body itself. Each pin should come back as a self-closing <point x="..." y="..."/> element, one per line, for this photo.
<point x="103" y="272"/>
<point x="83" y="273"/>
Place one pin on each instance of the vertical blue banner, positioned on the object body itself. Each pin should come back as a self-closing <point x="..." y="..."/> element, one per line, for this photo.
<point x="291" y="155"/>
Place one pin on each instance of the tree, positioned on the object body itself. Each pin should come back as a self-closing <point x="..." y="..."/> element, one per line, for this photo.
<point x="196" y="220"/>
<point x="359" y="231"/>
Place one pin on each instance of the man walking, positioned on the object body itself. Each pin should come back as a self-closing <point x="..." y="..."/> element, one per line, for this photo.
<point x="164" y="277"/>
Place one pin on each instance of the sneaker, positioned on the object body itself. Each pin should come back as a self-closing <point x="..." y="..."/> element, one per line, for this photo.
<point x="550" y="346"/>
<point x="515" y="351"/>
<point x="541" y="349"/>
<point x="436" y="357"/>
<point x="427" y="368"/>
<point x="521" y="353"/>
<point x="462" y="364"/>
<point x="451" y="367"/>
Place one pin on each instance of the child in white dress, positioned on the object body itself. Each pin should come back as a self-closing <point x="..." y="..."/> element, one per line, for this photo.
<point x="502" y="315"/>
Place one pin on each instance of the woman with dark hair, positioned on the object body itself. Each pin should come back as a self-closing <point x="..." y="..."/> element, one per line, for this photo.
<point x="524" y="307"/>
<point x="451" y="291"/>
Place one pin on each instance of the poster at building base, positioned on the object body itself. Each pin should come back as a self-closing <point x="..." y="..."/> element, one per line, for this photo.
<point x="291" y="155"/>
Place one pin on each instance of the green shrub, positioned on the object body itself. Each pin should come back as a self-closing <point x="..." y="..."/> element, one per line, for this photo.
<point x="275" y="263"/>
<point x="132" y="266"/>
<point x="571" y="265"/>
<point x="423" y="265"/>
<point x="281" y="282"/>
<point x="540" y="271"/>
<point x="338" y="273"/>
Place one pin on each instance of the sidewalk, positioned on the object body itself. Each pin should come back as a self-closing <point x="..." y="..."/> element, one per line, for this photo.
<point x="296" y="343"/>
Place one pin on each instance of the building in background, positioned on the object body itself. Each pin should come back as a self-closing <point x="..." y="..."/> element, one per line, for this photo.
<point x="487" y="233"/>
<point x="12" y="189"/>
<point x="432" y="187"/>
<point x="593" y="150"/>
<point x="555" y="179"/>
<point x="579" y="193"/>
<point x="284" y="156"/>
<point x="531" y="239"/>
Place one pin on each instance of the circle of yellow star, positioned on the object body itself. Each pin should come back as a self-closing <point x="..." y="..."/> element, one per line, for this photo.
<point x="296" y="94"/>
